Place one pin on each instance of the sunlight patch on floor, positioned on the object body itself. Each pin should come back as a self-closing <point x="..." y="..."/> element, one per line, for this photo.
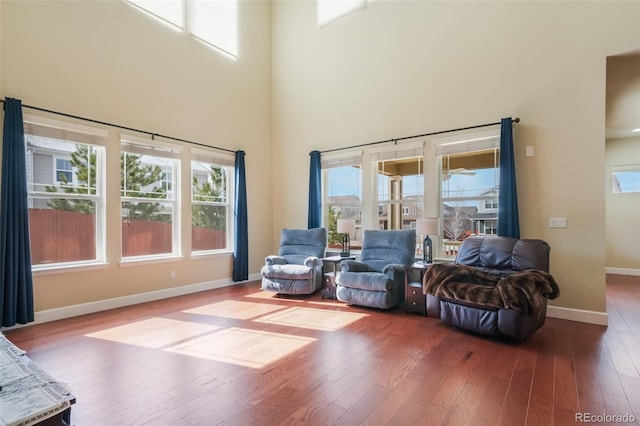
<point x="154" y="332"/>
<point x="269" y="295"/>
<point x="235" y="309"/>
<point x="316" y="319"/>
<point x="241" y="346"/>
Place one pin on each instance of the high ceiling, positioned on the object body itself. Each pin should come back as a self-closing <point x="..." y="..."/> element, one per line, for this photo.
<point x="623" y="95"/>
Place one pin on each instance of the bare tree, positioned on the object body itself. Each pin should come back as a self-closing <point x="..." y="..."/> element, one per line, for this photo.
<point x="455" y="221"/>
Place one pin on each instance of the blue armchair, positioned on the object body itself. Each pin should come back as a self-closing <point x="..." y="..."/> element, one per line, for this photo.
<point x="376" y="279"/>
<point x="297" y="269"/>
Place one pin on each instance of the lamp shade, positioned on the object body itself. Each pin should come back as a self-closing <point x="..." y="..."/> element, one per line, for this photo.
<point x="346" y="226"/>
<point x="426" y="226"/>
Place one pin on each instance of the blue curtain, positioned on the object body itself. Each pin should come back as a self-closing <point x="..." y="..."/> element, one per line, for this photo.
<point x="16" y="282"/>
<point x="241" y="234"/>
<point x="508" y="221"/>
<point x="315" y="194"/>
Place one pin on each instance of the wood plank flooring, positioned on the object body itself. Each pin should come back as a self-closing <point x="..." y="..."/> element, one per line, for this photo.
<point x="239" y="356"/>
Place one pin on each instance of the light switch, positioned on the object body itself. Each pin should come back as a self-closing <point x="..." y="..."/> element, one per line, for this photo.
<point x="529" y="151"/>
<point x="557" y="222"/>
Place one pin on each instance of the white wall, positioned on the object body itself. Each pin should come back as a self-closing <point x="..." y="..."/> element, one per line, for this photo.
<point x="401" y="68"/>
<point x="106" y="60"/>
<point x="622" y="149"/>
<point x="622" y="210"/>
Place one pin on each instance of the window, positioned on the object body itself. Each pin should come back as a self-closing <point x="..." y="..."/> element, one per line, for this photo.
<point x="214" y="22"/>
<point x="491" y="204"/>
<point x="150" y="213"/>
<point x="469" y="171"/>
<point x="211" y="208"/>
<point x="383" y="187"/>
<point x="393" y="198"/>
<point x="626" y="179"/>
<point x="400" y="180"/>
<point x="342" y="187"/>
<point x="63" y="172"/>
<point x="65" y="183"/>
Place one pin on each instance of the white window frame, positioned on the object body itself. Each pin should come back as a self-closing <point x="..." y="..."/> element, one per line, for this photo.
<point x="227" y="162"/>
<point x="168" y="152"/>
<point x="40" y="127"/>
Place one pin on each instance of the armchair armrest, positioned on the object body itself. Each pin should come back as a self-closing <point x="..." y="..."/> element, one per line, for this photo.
<point x="353" y="266"/>
<point x="392" y="269"/>
<point x="313" y="262"/>
<point x="274" y="260"/>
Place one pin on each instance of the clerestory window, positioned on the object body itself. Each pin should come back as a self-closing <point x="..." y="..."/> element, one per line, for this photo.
<point x="214" y="22"/>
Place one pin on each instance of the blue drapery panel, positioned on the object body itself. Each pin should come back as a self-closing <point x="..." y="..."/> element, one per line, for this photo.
<point x="16" y="282"/>
<point x="315" y="194"/>
<point x="241" y="234"/>
<point x="508" y="221"/>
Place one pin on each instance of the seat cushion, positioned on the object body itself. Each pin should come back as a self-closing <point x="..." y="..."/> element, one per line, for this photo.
<point x="287" y="272"/>
<point x="375" y="281"/>
<point x="368" y="298"/>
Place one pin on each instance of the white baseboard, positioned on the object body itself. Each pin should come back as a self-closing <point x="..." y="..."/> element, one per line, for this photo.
<point x="622" y="271"/>
<point x="579" y="315"/>
<point x="134" y="299"/>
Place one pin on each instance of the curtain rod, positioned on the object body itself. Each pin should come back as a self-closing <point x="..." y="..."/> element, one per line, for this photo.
<point x="395" y="140"/>
<point x="153" y="135"/>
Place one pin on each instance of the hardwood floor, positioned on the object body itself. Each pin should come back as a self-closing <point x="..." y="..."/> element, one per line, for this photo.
<point x="240" y="356"/>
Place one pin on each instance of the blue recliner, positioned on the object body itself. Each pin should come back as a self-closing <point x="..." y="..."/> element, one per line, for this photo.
<point x="297" y="269"/>
<point x="376" y="279"/>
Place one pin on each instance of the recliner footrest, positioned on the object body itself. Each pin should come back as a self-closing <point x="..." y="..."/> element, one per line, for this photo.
<point x="483" y="321"/>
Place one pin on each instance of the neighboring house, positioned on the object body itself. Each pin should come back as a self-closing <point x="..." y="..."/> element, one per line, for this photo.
<point x="484" y="221"/>
<point x="46" y="160"/>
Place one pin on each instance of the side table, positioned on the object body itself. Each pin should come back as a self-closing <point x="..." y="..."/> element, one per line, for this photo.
<point x="415" y="300"/>
<point x="329" y="276"/>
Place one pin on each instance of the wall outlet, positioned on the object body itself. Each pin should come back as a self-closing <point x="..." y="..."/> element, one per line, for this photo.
<point x="173" y="274"/>
<point x="557" y="222"/>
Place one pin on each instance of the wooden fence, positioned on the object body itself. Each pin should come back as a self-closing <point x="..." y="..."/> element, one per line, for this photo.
<point x="65" y="236"/>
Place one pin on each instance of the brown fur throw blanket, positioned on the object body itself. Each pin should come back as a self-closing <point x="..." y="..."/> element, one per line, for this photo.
<point x="523" y="291"/>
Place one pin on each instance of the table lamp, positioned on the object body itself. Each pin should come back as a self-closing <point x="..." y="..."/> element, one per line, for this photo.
<point x="346" y="227"/>
<point x="426" y="227"/>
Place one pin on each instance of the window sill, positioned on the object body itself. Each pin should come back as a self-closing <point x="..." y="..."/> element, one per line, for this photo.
<point x="149" y="260"/>
<point x="210" y="254"/>
<point x="68" y="268"/>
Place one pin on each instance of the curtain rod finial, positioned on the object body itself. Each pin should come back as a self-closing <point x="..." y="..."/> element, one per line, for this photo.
<point x="516" y="120"/>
